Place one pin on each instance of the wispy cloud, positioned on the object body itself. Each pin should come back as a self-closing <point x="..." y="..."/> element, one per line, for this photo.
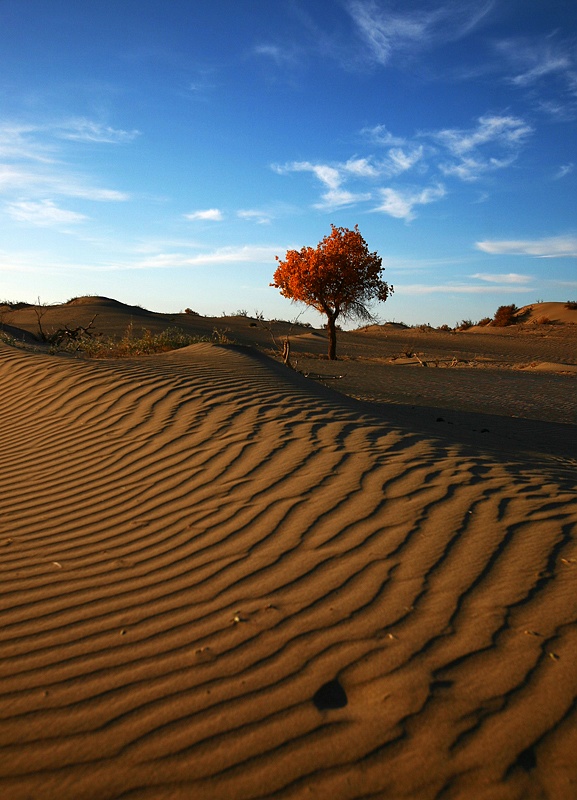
<point x="254" y="215"/>
<point x="545" y="67"/>
<point x="220" y="255"/>
<point x="86" y="130"/>
<point x="44" y="213"/>
<point x="563" y="170"/>
<point x="332" y="178"/>
<point x="379" y="135"/>
<point x="210" y="214"/>
<point x="35" y="164"/>
<point x="51" y="182"/>
<point x="401" y="203"/>
<point x="282" y="55"/>
<point x="468" y="155"/>
<point x="551" y="247"/>
<point x="386" y="32"/>
<point x="509" y="277"/>
<point x="535" y="59"/>
<point x="465" y="154"/>
<point x="456" y="288"/>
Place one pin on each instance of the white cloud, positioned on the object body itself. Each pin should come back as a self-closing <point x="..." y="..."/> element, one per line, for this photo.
<point x="510" y="277"/>
<point x="460" y="288"/>
<point x="332" y="178"/>
<point x="467" y="146"/>
<point x="86" y="130"/>
<point x="380" y="135"/>
<point x="254" y="215"/>
<point x="400" y="160"/>
<point x="400" y="203"/>
<point x="212" y="214"/>
<point x="506" y="130"/>
<point x="361" y="167"/>
<point x="43" y="213"/>
<point x="386" y="33"/>
<point x="17" y="144"/>
<point x="222" y="255"/>
<point x="328" y="175"/>
<point x="338" y="198"/>
<point x="536" y="58"/>
<point x="551" y="247"/>
<point x="43" y="181"/>
<point x="563" y="170"/>
<point x="282" y="56"/>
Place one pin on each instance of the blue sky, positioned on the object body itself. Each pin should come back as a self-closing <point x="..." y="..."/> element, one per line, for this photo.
<point x="164" y="153"/>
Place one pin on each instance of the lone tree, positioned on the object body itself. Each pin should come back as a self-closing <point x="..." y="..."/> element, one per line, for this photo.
<point x="339" y="278"/>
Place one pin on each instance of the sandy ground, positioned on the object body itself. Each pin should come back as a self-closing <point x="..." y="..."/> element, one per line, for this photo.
<point x="222" y="579"/>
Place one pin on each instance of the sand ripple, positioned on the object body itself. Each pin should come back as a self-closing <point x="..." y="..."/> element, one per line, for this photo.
<point x="193" y="545"/>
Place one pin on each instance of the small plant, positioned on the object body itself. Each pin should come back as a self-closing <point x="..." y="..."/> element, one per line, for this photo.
<point x="221" y="336"/>
<point x="543" y="320"/>
<point x="191" y="313"/>
<point x="571" y="305"/>
<point x="483" y="322"/>
<point x="464" y="325"/>
<point x="130" y="345"/>
<point x="444" y="327"/>
<point x="504" y="316"/>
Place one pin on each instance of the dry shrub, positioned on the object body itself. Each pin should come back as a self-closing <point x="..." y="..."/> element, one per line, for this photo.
<point x="484" y="321"/>
<point x="504" y="316"/>
<point x="543" y="320"/>
<point x="571" y="305"/>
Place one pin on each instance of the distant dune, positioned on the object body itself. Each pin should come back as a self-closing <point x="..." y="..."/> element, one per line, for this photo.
<point x="224" y="579"/>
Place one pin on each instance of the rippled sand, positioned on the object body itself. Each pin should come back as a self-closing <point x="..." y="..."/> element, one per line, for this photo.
<point x="221" y="580"/>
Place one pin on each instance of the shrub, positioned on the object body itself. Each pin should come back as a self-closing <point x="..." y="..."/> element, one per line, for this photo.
<point x="504" y="316"/>
<point x="130" y="345"/>
<point x="191" y="313"/>
<point x="445" y="328"/>
<point x="571" y="305"/>
<point x="484" y="321"/>
<point x="543" y="320"/>
<point x="465" y="325"/>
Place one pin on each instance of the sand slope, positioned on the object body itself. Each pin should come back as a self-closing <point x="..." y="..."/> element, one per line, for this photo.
<point x="194" y="544"/>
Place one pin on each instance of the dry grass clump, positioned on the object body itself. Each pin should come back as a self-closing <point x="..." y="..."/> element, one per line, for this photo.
<point x="543" y="320"/>
<point x="571" y="305"/>
<point x="484" y="322"/>
<point x="97" y="346"/>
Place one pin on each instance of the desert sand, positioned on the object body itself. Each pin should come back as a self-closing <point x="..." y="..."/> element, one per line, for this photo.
<point x="223" y="579"/>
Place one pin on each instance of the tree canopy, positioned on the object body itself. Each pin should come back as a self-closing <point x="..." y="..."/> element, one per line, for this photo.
<point x="339" y="278"/>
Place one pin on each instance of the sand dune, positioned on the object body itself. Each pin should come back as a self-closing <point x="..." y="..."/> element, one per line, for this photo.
<point x="221" y="580"/>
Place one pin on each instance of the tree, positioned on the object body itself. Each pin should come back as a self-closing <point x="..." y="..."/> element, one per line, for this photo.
<point x="339" y="278"/>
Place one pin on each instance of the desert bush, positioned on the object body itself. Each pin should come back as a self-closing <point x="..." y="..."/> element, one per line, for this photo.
<point x="130" y="345"/>
<point x="191" y="313"/>
<point x="484" y="321"/>
<point x="464" y="325"/>
<point x="504" y="316"/>
<point x="444" y="327"/>
<point x="571" y="305"/>
<point x="543" y="320"/>
<point x="15" y="306"/>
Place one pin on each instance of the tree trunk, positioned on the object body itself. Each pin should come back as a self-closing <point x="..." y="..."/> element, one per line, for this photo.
<point x="332" y="332"/>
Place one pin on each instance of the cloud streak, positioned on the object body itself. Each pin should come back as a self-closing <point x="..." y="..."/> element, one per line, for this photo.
<point x="551" y="247"/>
<point x="465" y="154"/>
<point x="44" y="213"/>
<point x="208" y="214"/>
<point x="401" y="204"/>
<point x="507" y="278"/>
<point x="388" y="33"/>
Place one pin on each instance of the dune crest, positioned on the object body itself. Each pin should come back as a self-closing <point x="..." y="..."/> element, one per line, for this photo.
<point x="221" y="581"/>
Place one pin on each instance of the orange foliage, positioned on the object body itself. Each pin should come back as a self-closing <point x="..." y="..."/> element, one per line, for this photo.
<point x="339" y="277"/>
